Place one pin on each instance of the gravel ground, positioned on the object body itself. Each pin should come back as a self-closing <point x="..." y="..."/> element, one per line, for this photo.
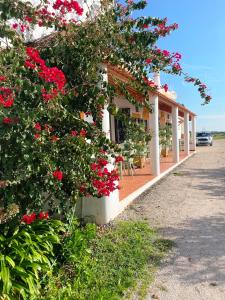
<point x="188" y="206"/>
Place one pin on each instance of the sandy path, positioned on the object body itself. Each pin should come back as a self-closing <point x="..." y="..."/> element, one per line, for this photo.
<point x="189" y="207"/>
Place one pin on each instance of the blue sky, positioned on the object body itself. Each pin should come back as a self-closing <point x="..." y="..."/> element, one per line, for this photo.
<point x="201" y="41"/>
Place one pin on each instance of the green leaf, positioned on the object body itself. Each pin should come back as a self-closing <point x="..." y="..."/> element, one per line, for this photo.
<point x="10" y="261"/>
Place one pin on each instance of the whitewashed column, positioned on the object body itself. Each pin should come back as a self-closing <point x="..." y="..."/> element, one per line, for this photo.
<point x="186" y="133"/>
<point x="154" y="128"/>
<point x="193" y="120"/>
<point x="154" y="143"/>
<point x="105" y="112"/>
<point x="175" y="139"/>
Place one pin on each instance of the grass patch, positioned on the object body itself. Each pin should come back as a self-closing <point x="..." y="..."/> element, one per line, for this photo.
<point x="178" y="174"/>
<point x="108" y="264"/>
<point x="219" y="136"/>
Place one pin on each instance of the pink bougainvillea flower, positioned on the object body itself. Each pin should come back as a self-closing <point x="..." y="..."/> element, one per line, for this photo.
<point x="166" y="53"/>
<point x="2" y="78"/>
<point x="166" y="87"/>
<point x="28" y="19"/>
<point x="177" y="67"/>
<point x="14" y="26"/>
<point x="177" y="55"/>
<point x="58" y="175"/>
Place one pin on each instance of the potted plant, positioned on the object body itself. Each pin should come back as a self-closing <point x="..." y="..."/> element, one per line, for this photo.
<point x="140" y="154"/>
<point x="165" y="138"/>
<point x="139" y="139"/>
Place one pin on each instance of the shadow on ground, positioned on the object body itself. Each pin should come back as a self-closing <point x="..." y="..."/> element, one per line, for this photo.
<point x="200" y="252"/>
<point x="212" y="180"/>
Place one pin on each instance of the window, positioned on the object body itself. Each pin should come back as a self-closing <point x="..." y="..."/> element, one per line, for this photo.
<point x="120" y="128"/>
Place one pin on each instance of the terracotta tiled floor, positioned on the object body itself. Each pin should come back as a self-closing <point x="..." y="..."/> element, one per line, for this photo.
<point x="129" y="183"/>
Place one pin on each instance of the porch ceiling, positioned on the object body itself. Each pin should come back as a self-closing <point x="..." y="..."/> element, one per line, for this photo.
<point x="165" y="102"/>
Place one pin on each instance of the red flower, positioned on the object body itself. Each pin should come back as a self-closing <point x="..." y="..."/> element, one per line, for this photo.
<point x="2" y="78"/>
<point x="102" y="162"/>
<point x="28" y="64"/>
<point x="37" y="136"/>
<point x="14" y="26"/>
<point x="37" y="126"/>
<point x="148" y="60"/>
<point x="119" y="159"/>
<point x="8" y="103"/>
<point x="58" y="175"/>
<point x="74" y="133"/>
<point x="177" y="67"/>
<point x="43" y="215"/>
<point x="83" y="132"/>
<point x="28" y="19"/>
<point x="150" y="83"/>
<point x="68" y="6"/>
<point x="166" y="87"/>
<point x="28" y="219"/>
<point x="166" y="53"/>
<point x="94" y="167"/>
<point x="177" y="55"/>
<point x="54" y="138"/>
<point x="7" y="120"/>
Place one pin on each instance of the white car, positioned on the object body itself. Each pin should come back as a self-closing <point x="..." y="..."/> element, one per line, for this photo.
<point x="204" y="138"/>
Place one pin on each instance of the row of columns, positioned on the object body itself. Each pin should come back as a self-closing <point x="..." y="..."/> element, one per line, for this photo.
<point x="154" y="125"/>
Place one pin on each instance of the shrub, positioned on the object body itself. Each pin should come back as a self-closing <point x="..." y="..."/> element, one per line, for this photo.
<point x="27" y="256"/>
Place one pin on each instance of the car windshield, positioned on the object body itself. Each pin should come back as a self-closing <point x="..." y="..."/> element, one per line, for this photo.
<point x="203" y="134"/>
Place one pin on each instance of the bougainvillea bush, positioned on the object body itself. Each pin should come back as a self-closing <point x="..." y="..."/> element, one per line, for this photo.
<point x="48" y="152"/>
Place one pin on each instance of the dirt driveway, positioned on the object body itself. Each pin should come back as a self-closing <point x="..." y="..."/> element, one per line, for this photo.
<point x="188" y="207"/>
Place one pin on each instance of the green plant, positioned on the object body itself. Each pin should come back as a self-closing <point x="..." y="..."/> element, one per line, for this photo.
<point x="47" y="83"/>
<point x="27" y="256"/>
<point x="165" y="136"/>
<point x="109" y="263"/>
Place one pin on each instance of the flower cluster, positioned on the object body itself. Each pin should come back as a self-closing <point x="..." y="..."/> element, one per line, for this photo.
<point x="202" y="88"/>
<point x="164" y="57"/>
<point x="104" y="181"/>
<point x="162" y="29"/>
<point x="118" y="159"/>
<point x="65" y="6"/>
<point x="28" y="219"/>
<point x="150" y="83"/>
<point x="48" y="74"/>
<point x="6" y="97"/>
<point x="165" y="87"/>
<point x="52" y="13"/>
<point x="57" y="174"/>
